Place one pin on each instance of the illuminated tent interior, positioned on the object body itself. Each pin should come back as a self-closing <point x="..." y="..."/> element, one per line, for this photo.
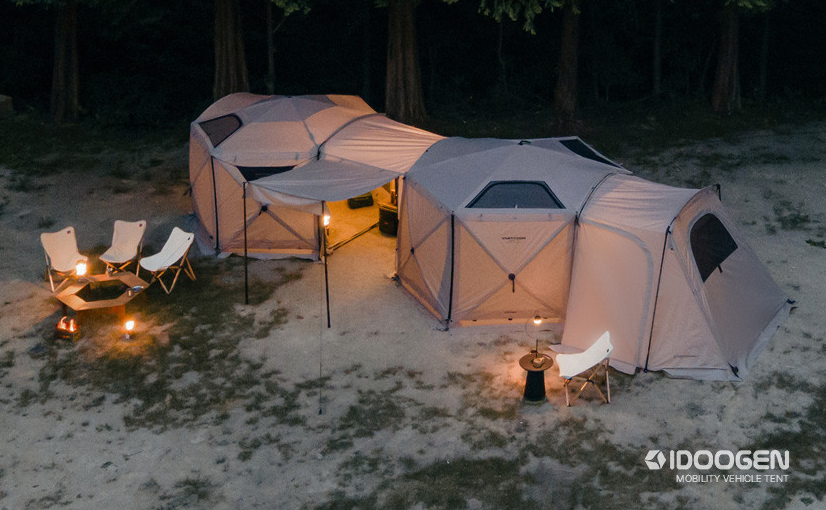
<point x="264" y="169"/>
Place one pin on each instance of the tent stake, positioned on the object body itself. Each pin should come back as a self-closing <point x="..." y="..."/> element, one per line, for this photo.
<point x="246" y="270"/>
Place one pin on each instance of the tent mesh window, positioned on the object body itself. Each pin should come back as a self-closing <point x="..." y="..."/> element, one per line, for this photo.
<point x="219" y="128"/>
<point x="252" y="173"/>
<point x="579" y="148"/>
<point x="516" y="195"/>
<point x="711" y="244"/>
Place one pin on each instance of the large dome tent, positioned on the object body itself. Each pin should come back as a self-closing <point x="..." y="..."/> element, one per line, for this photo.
<point x="260" y="172"/>
<point x="487" y="226"/>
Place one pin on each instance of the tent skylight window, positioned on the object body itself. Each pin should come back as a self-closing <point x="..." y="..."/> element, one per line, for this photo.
<point x="516" y="195"/>
<point x="579" y="148"/>
<point x="711" y="244"/>
<point x="252" y="173"/>
<point x="220" y="128"/>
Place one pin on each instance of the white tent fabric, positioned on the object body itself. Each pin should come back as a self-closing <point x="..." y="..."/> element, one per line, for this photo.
<point x="288" y="154"/>
<point x="379" y="142"/>
<point x="472" y="265"/>
<point x="635" y="274"/>
<point x="280" y="130"/>
<point x="326" y="181"/>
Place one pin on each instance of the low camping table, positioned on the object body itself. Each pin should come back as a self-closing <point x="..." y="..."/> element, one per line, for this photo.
<point x="72" y="295"/>
<point x="535" y="380"/>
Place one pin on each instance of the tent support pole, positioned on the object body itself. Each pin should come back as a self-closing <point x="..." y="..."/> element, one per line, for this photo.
<point x="323" y="244"/>
<point x="246" y="269"/>
<point x="452" y="264"/>
<point x="657" y="297"/>
<point x="215" y="203"/>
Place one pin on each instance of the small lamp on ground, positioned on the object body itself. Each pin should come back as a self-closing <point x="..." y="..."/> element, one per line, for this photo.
<point x="81" y="268"/>
<point x="67" y="328"/>
<point x="129" y="326"/>
<point x="535" y="364"/>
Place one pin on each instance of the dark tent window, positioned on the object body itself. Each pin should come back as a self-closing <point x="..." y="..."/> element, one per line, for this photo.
<point x="219" y="128"/>
<point x="579" y="148"/>
<point x="252" y="173"/>
<point x="711" y="244"/>
<point x="516" y="194"/>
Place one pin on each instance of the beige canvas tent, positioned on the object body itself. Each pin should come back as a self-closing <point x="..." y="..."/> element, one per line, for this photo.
<point x="667" y="273"/>
<point x="263" y="169"/>
<point x="486" y="227"/>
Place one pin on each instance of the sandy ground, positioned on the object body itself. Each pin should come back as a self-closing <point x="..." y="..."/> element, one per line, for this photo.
<point x="385" y="408"/>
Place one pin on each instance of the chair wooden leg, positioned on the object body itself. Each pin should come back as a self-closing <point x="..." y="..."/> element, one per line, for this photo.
<point x="565" y="386"/>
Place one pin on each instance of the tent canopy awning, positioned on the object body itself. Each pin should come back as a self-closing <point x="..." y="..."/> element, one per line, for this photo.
<point x="328" y="181"/>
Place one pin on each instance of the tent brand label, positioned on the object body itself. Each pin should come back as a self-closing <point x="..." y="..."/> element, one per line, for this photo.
<point x="721" y="460"/>
<point x="513" y="239"/>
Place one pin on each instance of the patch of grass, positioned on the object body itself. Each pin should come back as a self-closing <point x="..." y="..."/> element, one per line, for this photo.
<point x="24" y="184"/>
<point x="194" y="369"/>
<point x="6" y="362"/>
<point x="494" y="482"/>
<point x="805" y="442"/>
<point x="791" y="217"/>
<point x="45" y="222"/>
<point x="189" y="492"/>
<point x="816" y="244"/>
<point x="33" y="145"/>
<point x="609" y="475"/>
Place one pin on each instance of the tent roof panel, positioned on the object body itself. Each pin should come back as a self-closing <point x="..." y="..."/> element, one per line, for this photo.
<point x="454" y="170"/>
<point x="625" y="201"/>
<point x="326" y="180"/>
<point x="379" y="142"/>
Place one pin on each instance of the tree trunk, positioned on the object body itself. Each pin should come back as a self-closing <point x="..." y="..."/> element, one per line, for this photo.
<point x="366" y="46"/>
<point x="764" y="59"/>
<point x="404" y="100"/>
<point x="726" y="95"/>
<point x="657" y="53"/>
<point x="270" y="50"/>
<point x="64" y="102"/>
<point x="502" y="78"/>
<point x="565" y="94"/>
<point x="230" y="60"/>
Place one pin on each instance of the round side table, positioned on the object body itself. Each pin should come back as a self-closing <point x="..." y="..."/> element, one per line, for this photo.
<point x="535" y="364"/>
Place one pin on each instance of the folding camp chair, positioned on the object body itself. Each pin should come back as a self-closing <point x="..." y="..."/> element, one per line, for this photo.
<point x="62" y="256"/>
<point x="585" y="365"/>
<point x="173" y="257"/>
<point x="127" y="239"/>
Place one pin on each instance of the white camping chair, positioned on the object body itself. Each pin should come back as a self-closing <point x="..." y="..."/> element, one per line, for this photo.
<point x="127" y="239"/>
<point x="62" y="256"/>
<point x="585" y="365"/>
<point x="174" y="256"/>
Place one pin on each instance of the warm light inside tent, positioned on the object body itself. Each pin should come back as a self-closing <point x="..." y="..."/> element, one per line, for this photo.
<point x="326" y="219"/>
<point x="537" y="320"/>
<point x="81" y="268"/>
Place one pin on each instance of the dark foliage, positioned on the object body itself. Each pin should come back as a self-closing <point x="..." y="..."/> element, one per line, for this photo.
<point x="151" y="63"/>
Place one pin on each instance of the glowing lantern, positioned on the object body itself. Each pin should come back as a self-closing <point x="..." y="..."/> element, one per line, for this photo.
<point x="67" y="329"/>
<point x="537" y="320"/>
<point x="326" y="220"/>
<point x="81" y="268"/>
<point x="129" y="326"/>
